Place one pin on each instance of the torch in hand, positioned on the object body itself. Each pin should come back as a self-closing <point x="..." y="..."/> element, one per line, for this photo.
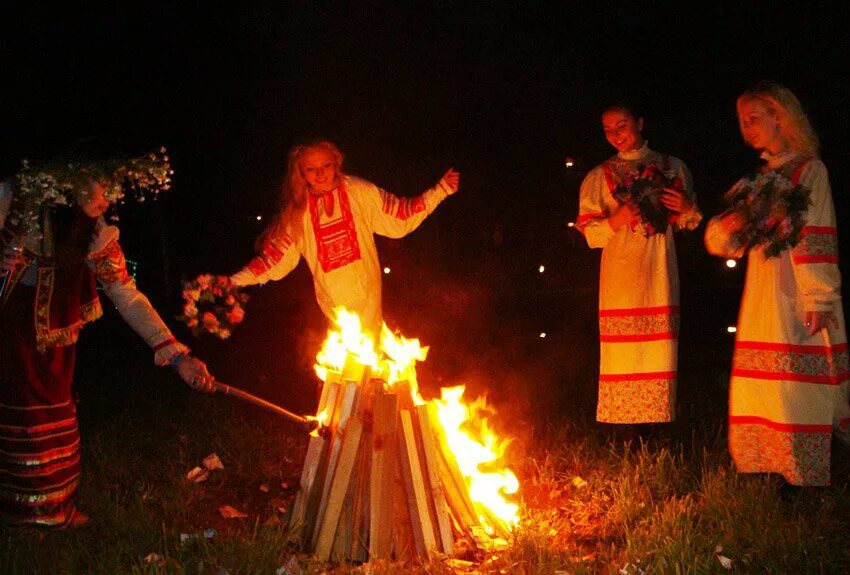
<point x="309" y="424"/>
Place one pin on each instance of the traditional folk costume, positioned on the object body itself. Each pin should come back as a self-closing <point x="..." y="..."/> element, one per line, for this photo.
<point x="339" y="246"/>
<point x="638" y="294"/>
<point x="44" y="306"/>
<point x="789" y="390"/>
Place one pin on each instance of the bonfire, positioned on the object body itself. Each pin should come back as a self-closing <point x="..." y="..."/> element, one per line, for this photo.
<point x="395" y="476"/>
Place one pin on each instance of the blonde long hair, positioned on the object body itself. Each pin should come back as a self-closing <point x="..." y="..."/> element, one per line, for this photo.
<point x="294" y="192"/>
<point x="794" y="125"/>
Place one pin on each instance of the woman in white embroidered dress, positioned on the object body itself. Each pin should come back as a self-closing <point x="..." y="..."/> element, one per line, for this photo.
<point x="638" y="283"/>
<point x="330" y="219"/>
<point x="49" y="294"/>
<point x="790" y="379"/>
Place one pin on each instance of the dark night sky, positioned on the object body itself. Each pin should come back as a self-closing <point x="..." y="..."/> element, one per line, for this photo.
<point x="502" y="91"/>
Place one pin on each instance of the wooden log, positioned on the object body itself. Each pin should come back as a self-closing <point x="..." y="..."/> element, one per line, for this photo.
<point x="423" y="529"/>
<point x="497" y="524"/>
<point x="359" y="549"/>
<point x="338" y="488"/>
<point x="438" y="495"/>
<point x="456" y="496"/>
<point x="404" y="544"/>
<point x="381" y="475"/>
<point x="456" y="489"/>
<point x="342" y="416"/>
<point x="352" y="533"/>
<point x="313" y="464"/>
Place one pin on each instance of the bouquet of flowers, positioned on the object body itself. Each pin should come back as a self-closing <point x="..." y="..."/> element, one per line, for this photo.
<point x="57" y="183"/>
<point x="772" y="208"/>
<point x="212" y="305"/>
<point x="644" y="191"/>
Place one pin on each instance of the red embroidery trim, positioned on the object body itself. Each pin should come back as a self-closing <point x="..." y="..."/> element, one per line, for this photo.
<point x="336" y="241"/>
<point x="788" y="376"/>
<point x="787" y="347"/>
<point x="637" y="338"/>
<point x="637" y="376"/>
<point x="164" y="343"/>
<point x="670" y="309"/>
<point x="789" y="427"/>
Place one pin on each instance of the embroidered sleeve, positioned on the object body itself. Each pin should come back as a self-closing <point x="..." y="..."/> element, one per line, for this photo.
<point x="110" y="266"/>
<point x="593" y="214"/>
<point x="277" y="258"/>
<point x="107" y="260"/>
<point x="815" y="257"/>
<point x="395" y="217"/>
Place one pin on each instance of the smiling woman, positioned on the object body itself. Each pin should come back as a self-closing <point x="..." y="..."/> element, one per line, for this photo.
<point x="638" y="283"/>
<point x="330" y="218"/>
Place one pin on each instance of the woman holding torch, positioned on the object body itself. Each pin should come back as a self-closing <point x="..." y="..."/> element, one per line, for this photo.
<point x="56" y="248"/>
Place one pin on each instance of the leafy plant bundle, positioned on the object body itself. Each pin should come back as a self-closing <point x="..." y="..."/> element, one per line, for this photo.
<point x="772" y="209"/>
<point x="645" y="191"/>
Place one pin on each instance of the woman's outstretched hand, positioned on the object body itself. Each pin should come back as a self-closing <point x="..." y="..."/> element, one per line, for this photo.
<point x="452" y="180"/>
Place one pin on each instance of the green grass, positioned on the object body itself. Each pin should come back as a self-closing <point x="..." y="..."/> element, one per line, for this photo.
<point x="589" y="505"/>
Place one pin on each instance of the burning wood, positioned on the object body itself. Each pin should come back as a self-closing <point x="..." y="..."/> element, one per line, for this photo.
<point x="395" y="476"/>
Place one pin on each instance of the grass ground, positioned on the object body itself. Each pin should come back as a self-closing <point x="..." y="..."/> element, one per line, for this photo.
<point x="665" y="500"/>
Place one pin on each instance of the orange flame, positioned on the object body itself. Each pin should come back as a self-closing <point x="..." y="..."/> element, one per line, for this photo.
<point x="475" y="453"/>
<point x="476" y="447"/>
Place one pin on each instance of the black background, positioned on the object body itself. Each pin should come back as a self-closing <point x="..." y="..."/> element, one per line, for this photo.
<point x="501" y="91"/>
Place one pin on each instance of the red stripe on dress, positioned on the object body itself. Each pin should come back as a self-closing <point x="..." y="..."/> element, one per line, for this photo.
<point x="789" y="427"/>
<point x="639" y="311"/>
<point x="786" y="347"/>
<point x="31" y="430"/>
<point x="164" y="343"/>
<point x="828" y="230"/>
<point x="815" y="259"/>
<point x="787" y="376"/>
<point x="637" y="376"/>
<point x="638" y="337"/>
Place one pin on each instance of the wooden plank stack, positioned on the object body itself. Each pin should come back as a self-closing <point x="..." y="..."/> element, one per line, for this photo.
<point x="381" y="484"/>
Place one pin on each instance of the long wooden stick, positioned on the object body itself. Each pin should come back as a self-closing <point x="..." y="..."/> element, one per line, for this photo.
<point x="225" y="389"/>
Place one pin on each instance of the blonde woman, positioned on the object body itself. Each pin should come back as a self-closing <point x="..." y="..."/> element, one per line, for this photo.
<point x="789" y="385"/>
<point x="330" y="218"/>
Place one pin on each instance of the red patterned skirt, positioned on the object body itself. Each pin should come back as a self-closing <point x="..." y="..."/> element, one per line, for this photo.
<point x="39" y="437"/>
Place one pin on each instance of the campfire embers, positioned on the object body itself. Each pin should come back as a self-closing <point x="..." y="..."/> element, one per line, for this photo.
<point x="395" y="476"/>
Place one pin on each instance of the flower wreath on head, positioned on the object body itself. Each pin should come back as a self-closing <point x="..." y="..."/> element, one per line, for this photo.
<point x="212" y="304"/>
<point x="57" y="183"/>
<point x="772" y="207"/>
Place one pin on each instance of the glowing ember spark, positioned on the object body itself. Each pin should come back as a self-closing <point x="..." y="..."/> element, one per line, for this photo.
<point x="322" y="419"/>
<point x="475" y="455"/>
